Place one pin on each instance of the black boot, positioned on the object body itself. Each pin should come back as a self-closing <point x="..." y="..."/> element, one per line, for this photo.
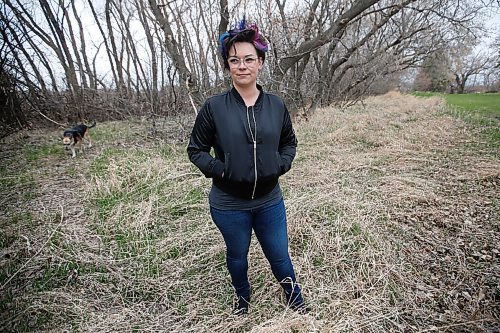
<point x="300" y="307"/>
<point x="241" y="305"/>
<point x="293" y="296"/>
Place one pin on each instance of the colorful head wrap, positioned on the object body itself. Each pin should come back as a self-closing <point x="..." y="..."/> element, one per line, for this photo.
<point x="243" y="31"/>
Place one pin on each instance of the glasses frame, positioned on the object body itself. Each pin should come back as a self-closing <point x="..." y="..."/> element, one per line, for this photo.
<point x="248" y="61"/>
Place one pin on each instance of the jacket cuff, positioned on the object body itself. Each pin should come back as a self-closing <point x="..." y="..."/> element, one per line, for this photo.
<point x="218" y="169"/>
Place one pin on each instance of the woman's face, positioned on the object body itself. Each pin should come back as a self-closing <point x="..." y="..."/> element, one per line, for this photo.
<point x="244" y="64"/>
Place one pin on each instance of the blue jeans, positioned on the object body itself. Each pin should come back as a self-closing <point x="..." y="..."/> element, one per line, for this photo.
<point x="269" y="224"/>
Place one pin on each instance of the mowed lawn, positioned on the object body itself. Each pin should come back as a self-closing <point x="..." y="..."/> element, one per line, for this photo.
<point x="487" y="104"/>
<point x="483" y="109"/>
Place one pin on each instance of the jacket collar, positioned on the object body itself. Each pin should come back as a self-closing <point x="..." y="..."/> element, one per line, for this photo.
<point x="240" y="100"/>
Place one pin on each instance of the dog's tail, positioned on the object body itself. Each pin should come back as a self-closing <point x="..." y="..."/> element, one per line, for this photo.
<point x="93" y="125"/>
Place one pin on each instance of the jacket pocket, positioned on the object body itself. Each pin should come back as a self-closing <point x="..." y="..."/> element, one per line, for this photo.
<point x="238" y="168"/>
<point x="269" y="165"/>
<point x="281" y="165"/>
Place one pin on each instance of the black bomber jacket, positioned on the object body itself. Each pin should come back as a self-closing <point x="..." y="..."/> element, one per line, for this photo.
<point x="242" y="166"/>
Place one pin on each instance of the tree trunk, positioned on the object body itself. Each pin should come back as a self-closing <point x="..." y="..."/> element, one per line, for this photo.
<point x="62" y="50"/>
<point x="120" y="84"/>
<point x="19" y="46"/>
<point x="174" y="50"/>
<point x="106" y="45"/>
<point x="460" y="79"/>
<point x="86" y="69"/>
<point x="152" y="48"/>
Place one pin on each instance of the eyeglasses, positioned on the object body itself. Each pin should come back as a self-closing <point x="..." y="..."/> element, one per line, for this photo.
<point x="235" y="62"/>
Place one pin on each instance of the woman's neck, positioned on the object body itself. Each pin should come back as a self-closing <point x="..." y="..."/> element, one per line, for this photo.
<point x="249" y="94"/>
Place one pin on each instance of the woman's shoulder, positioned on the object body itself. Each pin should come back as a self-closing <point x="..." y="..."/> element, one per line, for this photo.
<point x="274" y="99"/>
<point x="216" y="103"/>
<point x="218" y="97"/>
<point x="214" y="100"/>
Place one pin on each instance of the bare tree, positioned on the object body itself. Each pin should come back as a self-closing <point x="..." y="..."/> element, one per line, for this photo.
<point x="10" y="116"/>
<point x="464" y="66"/>
<point x="12" y="41"/>
<point x="106" y="43"/>
<point x="328" y="35"/>
<point x="56" y="40"/>
<point x="108" y="11"/>
<point x="162" y="55"/>
<point x="60" y="45"/>
<point x="85" y="68"/>
<point x="175" y="52"/>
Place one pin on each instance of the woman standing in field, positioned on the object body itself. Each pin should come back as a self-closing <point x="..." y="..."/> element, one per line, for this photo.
<point x="254" y="143"/>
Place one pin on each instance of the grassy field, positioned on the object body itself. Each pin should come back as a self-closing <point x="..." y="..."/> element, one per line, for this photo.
<point x="486" y="105"/>
<point x="393" y="222"/>
<point x="481" y="109"/>
<point x="483" y="105"/>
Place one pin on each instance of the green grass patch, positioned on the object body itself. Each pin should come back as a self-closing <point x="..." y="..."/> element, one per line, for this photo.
<point x="195" y="195"/>
<point x="107" y="203"/>
<point x="137" y="248"/>
<point x="99" y="166"/>
<point x="17" y="189"/>
<point x="487" y="105"/>
<point x="318" y="261"/>
<point x="9" y="180"/>
<point x="56" y="275"/>
<point x="426" y="94"/>
<point x="174" y="252"/>
<point x="113" y="130"/>
<point x="35" y="153"/>
<point x="167" y="151"/>
<point x="365" y="144"/>
<point x="482" y="110"/>
<point x="25" y="217"/>
<point x="6" y="241"/>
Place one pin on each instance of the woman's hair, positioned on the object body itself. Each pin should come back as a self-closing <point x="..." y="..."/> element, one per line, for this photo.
<point x="243" y="32"/>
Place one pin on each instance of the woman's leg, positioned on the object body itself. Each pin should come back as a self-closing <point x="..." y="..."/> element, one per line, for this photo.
<point x="236" y="228"/>
<point x="271" y="231"/>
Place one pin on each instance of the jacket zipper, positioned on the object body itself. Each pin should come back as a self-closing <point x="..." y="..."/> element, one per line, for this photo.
<point x="254" y="139"/>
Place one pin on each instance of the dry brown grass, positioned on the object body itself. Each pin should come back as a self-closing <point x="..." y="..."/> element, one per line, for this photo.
<point x="393" y="223"/>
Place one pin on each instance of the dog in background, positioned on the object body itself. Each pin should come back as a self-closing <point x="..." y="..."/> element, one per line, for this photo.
<point x="74" y="137"/>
